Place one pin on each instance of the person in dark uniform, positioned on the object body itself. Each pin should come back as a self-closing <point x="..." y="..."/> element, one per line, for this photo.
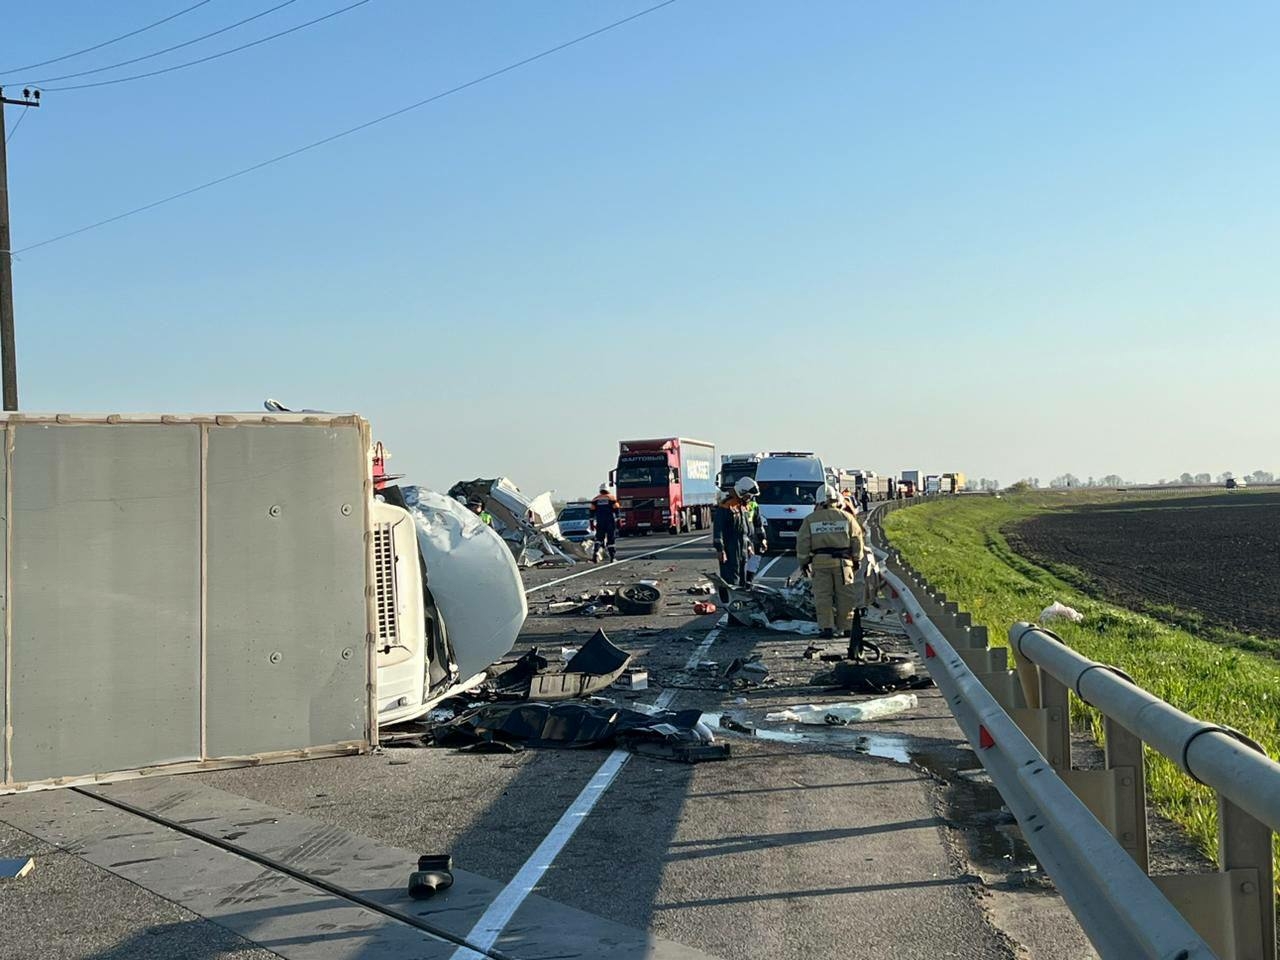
<point x="738" y="532"/>
<point x="604" y="521"/>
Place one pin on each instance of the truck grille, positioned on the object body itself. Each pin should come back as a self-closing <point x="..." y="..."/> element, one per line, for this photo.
<point x="384" y="580"/>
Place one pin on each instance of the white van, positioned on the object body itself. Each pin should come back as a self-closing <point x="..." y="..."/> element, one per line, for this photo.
<point x="788" y="483"/>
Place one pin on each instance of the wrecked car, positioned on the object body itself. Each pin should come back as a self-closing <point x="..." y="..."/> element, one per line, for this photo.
<point x="527" y="524"/>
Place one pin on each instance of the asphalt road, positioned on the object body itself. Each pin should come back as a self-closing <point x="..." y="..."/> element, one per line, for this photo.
<point x="870" y="841"/>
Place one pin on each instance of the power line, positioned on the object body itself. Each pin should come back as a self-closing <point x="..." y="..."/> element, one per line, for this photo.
<point x="159" y="53"/>
<point x="106" y="43"/>
<point x="17" y="123"/>
<point x="350" y="130"/>
<point x="212" y="56"/>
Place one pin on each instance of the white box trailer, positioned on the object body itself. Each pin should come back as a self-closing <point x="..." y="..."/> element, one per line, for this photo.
<point x="189" y="592"/>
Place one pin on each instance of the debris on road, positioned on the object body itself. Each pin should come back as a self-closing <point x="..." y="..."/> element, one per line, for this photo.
<point x="704" y="607"/>
<point x="747" y="672"/>
<point x="1060" y="611"/>
<point x="528" y="525"/>
<point x="596" y="665"/>
<point x="702" y="589"/>
<point x="434" y="873"/>
<point x="11" y="868"/>
<point x="840" y="714"/>
<point x="635" y="678"/>
<point x="638" y="600"/>
<point x="675" y="735"/>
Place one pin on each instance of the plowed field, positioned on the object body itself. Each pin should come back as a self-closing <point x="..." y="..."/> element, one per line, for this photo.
<point x="1215" y="556"/>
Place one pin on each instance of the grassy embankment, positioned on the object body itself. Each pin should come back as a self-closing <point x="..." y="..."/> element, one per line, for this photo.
<point x="959" y="546"/>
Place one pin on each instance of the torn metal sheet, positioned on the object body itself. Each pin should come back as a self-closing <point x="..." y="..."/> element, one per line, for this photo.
<point x="596" y="665"/>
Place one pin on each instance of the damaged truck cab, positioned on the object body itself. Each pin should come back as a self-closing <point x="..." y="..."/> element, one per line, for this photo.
<point x="449" y="600"/>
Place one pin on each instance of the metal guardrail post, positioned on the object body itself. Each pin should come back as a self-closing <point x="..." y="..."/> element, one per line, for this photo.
<point x="1123" y="752"/>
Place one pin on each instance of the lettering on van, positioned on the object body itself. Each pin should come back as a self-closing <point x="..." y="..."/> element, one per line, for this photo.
<point x="698" y="470"/>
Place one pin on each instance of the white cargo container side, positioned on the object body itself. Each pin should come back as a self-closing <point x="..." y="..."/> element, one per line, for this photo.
<point x="356" y="712"/>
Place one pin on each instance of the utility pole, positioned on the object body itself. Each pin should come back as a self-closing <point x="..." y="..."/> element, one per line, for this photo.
<point x="8" y="360"/>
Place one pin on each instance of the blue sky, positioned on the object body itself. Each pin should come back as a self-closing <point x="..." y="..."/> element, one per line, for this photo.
<point x="1010" y="239"/>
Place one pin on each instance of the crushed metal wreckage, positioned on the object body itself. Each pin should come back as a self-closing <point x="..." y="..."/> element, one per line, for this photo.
<point x="509" y="727"/>
<point x="527" y="524"/>
<point x="592" y="668"/>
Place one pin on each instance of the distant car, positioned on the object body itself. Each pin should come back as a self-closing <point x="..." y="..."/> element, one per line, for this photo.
<point x="575" y="522"/>
<point x="1233" y="483"/>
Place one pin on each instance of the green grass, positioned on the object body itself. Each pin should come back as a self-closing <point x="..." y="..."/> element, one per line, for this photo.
<point x="958" y="545"/>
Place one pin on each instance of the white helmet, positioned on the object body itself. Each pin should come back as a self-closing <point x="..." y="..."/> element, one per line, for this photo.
<point x="747" y="487"/>
<point x="604" y="488"/>
<point x="826" y="494"/>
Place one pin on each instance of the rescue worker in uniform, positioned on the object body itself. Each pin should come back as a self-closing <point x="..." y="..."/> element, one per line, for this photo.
<point x="476" y="506"/>
<point x="604" y="521"/>
<point x="829" y="547"/>
<point x="738" y="532"/>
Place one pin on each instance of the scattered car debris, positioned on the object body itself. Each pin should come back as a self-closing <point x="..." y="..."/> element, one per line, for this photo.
<point x="840" y="714"/>
<point x="596" y="665"/>
<point x="434" y="873"/>
<point x="11" y="868"/>
<point x="1060" y="611"/>
<point x="729" y="722"/>
<point x="634" y="678"/>
<point x="702" y="589"/>
<point x="672" y="735"/>
<point x="704" y="607"/>
<point x="528" y="525"/>
<point x="748" y="670"/>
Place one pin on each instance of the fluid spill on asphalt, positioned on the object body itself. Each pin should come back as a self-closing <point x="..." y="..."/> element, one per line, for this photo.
<point x="887" y="745"/>
<point x="974" y="806"/>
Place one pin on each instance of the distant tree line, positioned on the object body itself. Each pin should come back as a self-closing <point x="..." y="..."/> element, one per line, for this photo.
<point x="1070" y="480"/>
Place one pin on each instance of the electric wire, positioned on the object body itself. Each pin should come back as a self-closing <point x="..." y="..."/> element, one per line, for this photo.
<point x="159" y="53"/>
<point x="106" y="43"/>
<point x="350" y="130"/>
<point x="212" y="56"/>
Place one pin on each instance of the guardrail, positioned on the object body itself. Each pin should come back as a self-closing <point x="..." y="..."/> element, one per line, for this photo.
<point x="1088" y="828"/>
<point x="1233" y="908"/>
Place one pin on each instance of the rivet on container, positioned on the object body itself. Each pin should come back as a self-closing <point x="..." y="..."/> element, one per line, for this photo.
<point x="274" y="510"/>
<point x="345" y="510"/>
<point x="276" y="656"/>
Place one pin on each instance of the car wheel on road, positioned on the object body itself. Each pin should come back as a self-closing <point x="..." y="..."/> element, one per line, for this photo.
<point x="638" y="600"/>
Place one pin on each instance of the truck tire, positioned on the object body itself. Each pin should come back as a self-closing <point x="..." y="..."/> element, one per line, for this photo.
<point x="638" y="600"/>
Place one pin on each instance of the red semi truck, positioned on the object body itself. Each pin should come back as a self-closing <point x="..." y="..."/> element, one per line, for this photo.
<point x="665" y="484"/>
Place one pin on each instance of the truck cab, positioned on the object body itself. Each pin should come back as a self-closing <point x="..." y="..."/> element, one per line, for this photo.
<point x="788" y="483"/>
<point x="735" y="466"/>
<point x="664" y="484"/>
<point x="449" y="599"/>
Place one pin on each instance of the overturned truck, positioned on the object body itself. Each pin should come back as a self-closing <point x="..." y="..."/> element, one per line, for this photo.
<point x="261" y="594"/>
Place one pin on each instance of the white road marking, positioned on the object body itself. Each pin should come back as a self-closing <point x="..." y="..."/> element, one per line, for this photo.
<point x="605" y="567"/>
<point x="494" y="920"/>
<point x="765" y="569"/>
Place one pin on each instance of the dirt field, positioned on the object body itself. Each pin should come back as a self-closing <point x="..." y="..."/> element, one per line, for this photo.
<point x="1215" y="556"/>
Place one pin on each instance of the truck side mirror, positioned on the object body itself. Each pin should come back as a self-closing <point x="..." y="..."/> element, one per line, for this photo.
<point x="613" y="474"/>
<point x="675" y="474"/>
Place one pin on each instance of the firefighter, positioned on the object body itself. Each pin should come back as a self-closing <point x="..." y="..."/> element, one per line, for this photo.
<point x="604" y="523"/>
<point x="476" y="506"/>
<point x="829" y="547"/>
<point x="738" y="532"/>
